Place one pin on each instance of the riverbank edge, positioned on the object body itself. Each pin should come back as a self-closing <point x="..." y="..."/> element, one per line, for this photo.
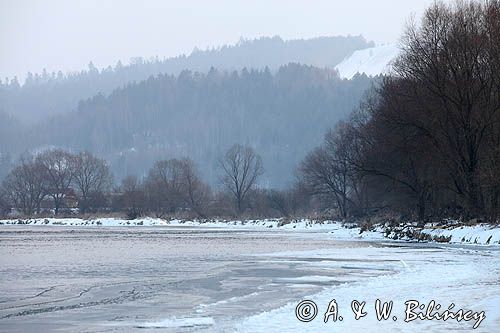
<point x="450" y="231"/>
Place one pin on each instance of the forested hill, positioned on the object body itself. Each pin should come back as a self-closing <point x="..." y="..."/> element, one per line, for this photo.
<point x="53" y="93"/>
<point x="282" y="115"/>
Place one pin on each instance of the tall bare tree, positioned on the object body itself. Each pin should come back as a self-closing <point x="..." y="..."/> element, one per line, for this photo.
<point x="24" y="186"/>
<point x="451" y="64"/>
<point x="195" y="192"/>
<point x="57" y="169"/>
<point x="241" y="168"/>
<point x="5" y="205"/>
<point x="427" y="137"/>
<point x="175" y="184"/>
<point x="133" y="198"/>
<point x="164" y="186"/>
<point x="398" y="154"/>
<point x="327" y="171"/>
<point x="91" y="178"/>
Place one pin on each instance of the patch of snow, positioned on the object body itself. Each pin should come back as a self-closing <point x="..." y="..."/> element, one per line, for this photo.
<point x="478" y="234"/>
<point x="178" y="323"/>
<point x="419" y="276"/>
<point x="235" y="299"/>
<point x="310" y="278"/>
<point x="105" y="222"/>
<point x="372" y="61"/>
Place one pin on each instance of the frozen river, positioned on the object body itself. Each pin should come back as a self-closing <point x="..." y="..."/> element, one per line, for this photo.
<point x="184" y="279"/>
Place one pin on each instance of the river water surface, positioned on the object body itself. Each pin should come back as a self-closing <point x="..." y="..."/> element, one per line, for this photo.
<point x="176" y="279"/>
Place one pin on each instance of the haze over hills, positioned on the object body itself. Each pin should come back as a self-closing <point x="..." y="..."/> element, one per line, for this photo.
<point x="48" y="94"/>
<point x="282" y="115"/>
<point x="255" y="93"/>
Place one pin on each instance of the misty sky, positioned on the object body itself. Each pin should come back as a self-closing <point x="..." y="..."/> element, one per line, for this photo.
<point x="67" y="35"/>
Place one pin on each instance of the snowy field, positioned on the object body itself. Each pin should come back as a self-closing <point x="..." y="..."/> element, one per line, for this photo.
<point x="176" y="276"/>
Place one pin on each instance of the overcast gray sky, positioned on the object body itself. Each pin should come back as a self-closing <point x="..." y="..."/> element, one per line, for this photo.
<point x="68" y="34"/>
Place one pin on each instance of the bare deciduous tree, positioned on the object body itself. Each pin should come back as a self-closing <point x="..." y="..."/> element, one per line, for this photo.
<point x="428" y="136"/>
<point x="5" y="205"/>
<point x="174" y="184"/>
<point x="163" y="186"/>
<point x="241" y="168"/>
<point x="451" y="63"/>
<point x="57" y="169"/>
<point x="328" y="170"/>
<point x="133" y="198"/>
<point x="287" y="202"/>
<point x="91" y="178"/>
<point x="195" y="192"/>
<point x="279" y="200"/>
<point x="24" y="186"/>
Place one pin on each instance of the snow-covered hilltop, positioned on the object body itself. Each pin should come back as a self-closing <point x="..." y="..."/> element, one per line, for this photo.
<point x="371" y="61"/>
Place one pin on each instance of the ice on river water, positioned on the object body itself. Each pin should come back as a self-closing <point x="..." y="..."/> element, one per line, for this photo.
<point x="175" y="279"/>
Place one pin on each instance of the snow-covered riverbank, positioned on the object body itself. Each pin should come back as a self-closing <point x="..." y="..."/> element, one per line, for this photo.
<point x="467" y="278"/>
<point x="481" y="234"/>
<point x="226" y="277"/>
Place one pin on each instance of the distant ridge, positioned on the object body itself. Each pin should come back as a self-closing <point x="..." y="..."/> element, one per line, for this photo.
<point x="196" y="106"/>
<point x="48" y="94"/>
